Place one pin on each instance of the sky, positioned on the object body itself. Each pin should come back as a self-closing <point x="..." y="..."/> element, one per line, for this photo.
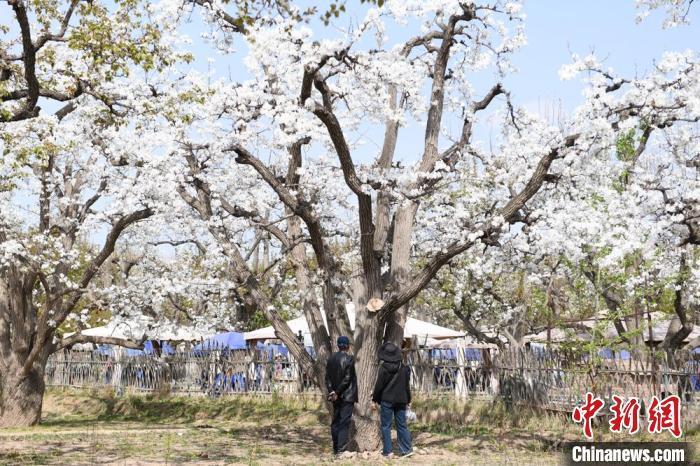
<point x="557" y="28"/>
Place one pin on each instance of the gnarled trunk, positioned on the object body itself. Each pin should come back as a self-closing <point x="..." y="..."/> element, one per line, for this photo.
<point x="365" y="435"/>
<point x="21" y="396"/>
<point x="21" y="391"/>
<point x="366" y="420"/>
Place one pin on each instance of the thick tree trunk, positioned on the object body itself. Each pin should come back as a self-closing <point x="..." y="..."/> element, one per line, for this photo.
<point x="21" y="397"/>
<point x="20" y="392"/>
<point x="368" y="338"/>
<point x="400" y="267"/>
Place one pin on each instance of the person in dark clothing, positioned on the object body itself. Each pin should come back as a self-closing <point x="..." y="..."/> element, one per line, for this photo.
<point x="392" y="393"/>
<point x="341" y="383"/>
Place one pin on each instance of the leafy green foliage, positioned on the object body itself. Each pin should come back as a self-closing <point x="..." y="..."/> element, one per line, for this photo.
<point x="336" y="8"/>
<point x="118" y="41"/>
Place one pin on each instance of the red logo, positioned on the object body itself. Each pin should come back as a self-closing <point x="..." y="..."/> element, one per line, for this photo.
<point x="587" y="412"/>
<point x="662" y="414"/>
<point x="665" y="415"/>
<point x="625" y="415"/>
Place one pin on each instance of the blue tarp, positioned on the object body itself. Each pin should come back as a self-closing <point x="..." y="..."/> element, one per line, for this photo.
<point x="165" y="347"/>
<point x="270" y="349"/>
<point x="148" y="348"/>
<point x="607" y="353"/>
<point x="695" y="383"/>
<point x="228" y="340"/>
<point x="105" y="349"/>
<point x="438" y="353"/>
<point x="470" y="354"/>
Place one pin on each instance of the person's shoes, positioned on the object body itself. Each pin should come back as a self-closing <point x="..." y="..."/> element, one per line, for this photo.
<point x="407" y="455"/>
<point x="388" y="455"/>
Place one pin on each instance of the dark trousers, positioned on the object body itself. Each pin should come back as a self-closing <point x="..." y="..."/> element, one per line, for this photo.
<point x="340" y="427"/>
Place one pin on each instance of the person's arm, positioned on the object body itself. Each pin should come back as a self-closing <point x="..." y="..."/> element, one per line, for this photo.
<point x="379" y="385"/>
<point x="329" y="384"/>
<point x="347" y="376"/>
<point x="408" y="384"/>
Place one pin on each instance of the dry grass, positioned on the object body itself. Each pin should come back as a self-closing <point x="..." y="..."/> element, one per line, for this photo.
<point x="97" y="427"/>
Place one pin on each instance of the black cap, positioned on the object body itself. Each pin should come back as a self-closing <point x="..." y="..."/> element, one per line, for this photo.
<point x="389" y="352"/>
<point x="343" y="341"/>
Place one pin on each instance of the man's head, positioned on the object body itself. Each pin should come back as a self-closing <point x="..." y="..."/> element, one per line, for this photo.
<point x="343" y="343"/>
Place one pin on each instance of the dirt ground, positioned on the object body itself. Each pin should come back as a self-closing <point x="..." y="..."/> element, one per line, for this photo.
<point x="136" y="444"/>
<point x="91" y="428"/>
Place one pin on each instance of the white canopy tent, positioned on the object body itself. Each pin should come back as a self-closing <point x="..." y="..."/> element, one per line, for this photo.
<point x="660" y="324"/>
<point x="138" y="329"/>
<point x="414" y="327"/>
<point x="465" y="342"/>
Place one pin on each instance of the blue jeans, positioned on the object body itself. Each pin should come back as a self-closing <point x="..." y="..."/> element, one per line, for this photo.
<point x="398" y="413"/>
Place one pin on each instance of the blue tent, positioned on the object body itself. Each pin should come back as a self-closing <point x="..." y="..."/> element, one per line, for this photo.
<point x="228" y="340"/>
<point x="271" y="349"/>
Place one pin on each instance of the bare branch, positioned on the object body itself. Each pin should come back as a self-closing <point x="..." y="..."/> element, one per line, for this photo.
<point x="29" y="109"/>
<point x="99" y="340"/>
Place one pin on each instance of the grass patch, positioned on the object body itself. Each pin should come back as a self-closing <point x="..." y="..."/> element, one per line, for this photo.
<point x="82" y="427"/>
<point x="20" y="458"/>
<point x="104" y="406"/>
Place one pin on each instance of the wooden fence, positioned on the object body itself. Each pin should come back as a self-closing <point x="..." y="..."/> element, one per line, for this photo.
<point x="220" y="372"/>
<point x="560" y="380"/>
<point x="540" y="379"/>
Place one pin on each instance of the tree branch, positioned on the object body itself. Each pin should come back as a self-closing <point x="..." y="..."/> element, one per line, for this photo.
<point x="99" y="340"/>
<point x="487" y="233"/>
<point x="29" y="110"/>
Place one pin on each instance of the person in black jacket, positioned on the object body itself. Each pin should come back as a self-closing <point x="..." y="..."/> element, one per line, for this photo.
<point x="341" y="383"/>
<point x="392" y="393"/>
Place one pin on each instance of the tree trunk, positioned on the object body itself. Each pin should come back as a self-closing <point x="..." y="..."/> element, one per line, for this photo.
<point x="21" y="397"/>
<point x="368" y="338"/>
<point x="20" y="394"/>
<point x="400" y="267"/>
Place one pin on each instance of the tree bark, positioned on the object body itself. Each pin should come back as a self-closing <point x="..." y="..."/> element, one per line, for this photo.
<point x="400" y="267"/>
<point x="21" y="396"/>
<point x="369" y="331"/>
<point x="21" y="387"/>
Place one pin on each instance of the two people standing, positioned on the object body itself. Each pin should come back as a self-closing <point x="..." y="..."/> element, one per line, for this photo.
<point x="392" y="394"/>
